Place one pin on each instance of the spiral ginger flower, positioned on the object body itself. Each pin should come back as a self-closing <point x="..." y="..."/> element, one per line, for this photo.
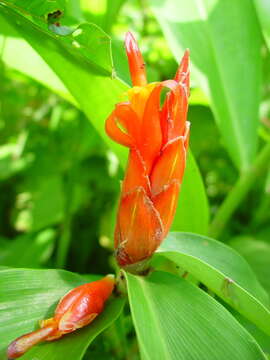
<point x="157" y="137"/>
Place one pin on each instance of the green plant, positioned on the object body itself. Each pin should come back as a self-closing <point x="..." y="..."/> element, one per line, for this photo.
<point x="62" y="72"/>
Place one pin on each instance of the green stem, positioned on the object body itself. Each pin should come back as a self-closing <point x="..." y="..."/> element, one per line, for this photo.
<point x="238" y="192"/>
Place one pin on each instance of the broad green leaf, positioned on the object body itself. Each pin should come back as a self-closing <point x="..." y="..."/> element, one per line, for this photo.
<point x="262" y="339"/>
<point x="120" y="61"/>
<point x="223" y="271"/>
<point x="102" y="12"/>
<point x="203" y="129"/>
<point x="34" y="249"/>
<point x="11" y="162"/>
<point x="174" y="320"/>
<point x="96" y="95"/>
<point x="197" y="97"/>
<point x="27" y="296"/>
<point x="257" y="254"/>
<point x="36" y="8"/>
<point x="38" y="70"/>
<point x="42" y="204"/>
<point x="192" y="211"/>
<point x="263" y="11"/>
<point x="226" y="62"/>
<point x="90" y="50"/>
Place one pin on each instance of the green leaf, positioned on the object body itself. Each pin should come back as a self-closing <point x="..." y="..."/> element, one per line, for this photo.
<point x="174" y="320"/>
<point x="102" y="12"/>
<point x="42" y="204"/>
<point x="38" y="70"/>
<point x="34" y="249"/>
<point x="259" y="336"/>
<point x="36" y="8"/>
<point x="192" y="213"/>
<point x="95" y="92"/>
<point x="11" y="162"/>
<point x="223" y="271"/>
<point x="197" y="97"/>
<point x="263" y="11"/>
<point x="93" y="51"/>
<point x="27" y="296"/>
<point x="257" y="254"/>
<point x="226" y="63"/>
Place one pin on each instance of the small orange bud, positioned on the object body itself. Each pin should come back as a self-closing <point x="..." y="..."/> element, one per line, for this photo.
<point x="78" y="308"/>
<point x="157" y="137"/>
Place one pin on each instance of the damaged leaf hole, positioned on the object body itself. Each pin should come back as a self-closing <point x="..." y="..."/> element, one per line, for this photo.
<point x="52" y="18"/>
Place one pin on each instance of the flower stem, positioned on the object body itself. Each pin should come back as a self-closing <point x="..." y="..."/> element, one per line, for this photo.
<point x="238" y="192"/>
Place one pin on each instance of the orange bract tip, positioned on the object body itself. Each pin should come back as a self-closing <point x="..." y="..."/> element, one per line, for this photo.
<point x="22" y="344"/>
<point x="131" y="43"/>
<point x="182" y="74"/>
<point x="135" y="61"/>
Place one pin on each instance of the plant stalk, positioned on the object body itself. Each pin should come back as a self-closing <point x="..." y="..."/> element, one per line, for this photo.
<point x="239" y="191"/>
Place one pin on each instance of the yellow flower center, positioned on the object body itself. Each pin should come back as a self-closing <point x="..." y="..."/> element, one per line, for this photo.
<point x="138" y="96"/>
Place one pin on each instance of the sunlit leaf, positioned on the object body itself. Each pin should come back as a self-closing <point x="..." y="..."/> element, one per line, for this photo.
<point x="34" y="7"/>
<point x="176" y="320"/>
<point x="34" y="249"/>
<point x="102" y="12"/>
<point x="11" y="162"/>
<point x="226" y="62"/>
<point x="263" y="11"/>
<point x="257" y="254"/>
<point x="192" y="213"/>
<point x="223" y="271"/>
<point x="42" y="204"/>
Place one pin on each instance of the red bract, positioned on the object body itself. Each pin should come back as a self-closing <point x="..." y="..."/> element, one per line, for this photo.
<point x="76" y="309"/>
<point x="157" y="137"/>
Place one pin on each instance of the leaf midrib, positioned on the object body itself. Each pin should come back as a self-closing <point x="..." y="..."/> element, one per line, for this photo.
<point x="151" y="307"/>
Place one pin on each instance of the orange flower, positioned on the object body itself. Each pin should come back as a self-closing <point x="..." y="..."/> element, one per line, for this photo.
<point x="76" y="309"/>
<point x="157" y="138"/>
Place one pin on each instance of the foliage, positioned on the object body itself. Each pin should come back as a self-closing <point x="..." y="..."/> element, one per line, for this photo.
<point x="62" y="69"/>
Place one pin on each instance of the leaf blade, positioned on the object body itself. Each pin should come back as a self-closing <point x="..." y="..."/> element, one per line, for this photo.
<point x="263" y="11"/>
<point x="200" y="328"/>
<point x="223" y="271"/>
<point x="223" y="52"/>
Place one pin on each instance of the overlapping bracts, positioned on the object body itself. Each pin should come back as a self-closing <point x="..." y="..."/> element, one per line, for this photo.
<point x="157" y="137"/>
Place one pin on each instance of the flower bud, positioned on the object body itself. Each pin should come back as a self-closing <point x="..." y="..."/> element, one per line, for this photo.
<point x="78" y="308"/>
